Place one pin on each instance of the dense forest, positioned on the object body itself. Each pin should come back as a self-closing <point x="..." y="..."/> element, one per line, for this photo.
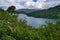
<point x="12" y="29"/>
<point x="46" y="13"/>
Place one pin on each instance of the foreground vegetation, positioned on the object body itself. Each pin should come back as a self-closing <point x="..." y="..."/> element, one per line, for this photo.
<point x="12" y="29"/>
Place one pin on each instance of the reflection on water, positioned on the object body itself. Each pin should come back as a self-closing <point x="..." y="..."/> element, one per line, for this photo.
<point x="35" y="22"/>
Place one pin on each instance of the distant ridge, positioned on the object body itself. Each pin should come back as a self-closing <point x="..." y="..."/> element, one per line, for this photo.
<point x="46" y="13"/>
<point x="25" y="10"/>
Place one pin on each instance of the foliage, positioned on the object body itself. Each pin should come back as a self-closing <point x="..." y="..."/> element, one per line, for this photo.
<point x="12" y="29"/>
<point x="6" y="37"/>
<point x="11" y="9"/>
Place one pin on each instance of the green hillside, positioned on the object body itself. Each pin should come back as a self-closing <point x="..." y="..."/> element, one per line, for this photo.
<point x="46" y="13"/>
<point x="12" y="29"/>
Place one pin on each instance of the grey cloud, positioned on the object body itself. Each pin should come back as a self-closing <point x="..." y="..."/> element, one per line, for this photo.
<point x="40" y="4"/>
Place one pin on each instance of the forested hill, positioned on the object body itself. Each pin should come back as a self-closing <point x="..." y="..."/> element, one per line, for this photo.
<point x="25" y="10"/>
<point x="47" y="13"/>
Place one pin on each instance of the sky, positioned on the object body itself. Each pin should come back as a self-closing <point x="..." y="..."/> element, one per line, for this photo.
<point x="29" y="4"/>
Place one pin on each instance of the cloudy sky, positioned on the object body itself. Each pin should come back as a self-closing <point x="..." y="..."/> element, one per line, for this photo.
<point x="30" y="4"/>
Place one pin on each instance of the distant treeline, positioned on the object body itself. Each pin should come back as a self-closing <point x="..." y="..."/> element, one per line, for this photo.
<point x="47" y="13"/>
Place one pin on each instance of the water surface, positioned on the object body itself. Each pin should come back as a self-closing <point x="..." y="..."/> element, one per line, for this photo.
<point x="35" y="22"/>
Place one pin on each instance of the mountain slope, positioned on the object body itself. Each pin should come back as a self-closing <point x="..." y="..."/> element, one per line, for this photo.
<point x="25" y="10"/>
<point x="46" y="13"/>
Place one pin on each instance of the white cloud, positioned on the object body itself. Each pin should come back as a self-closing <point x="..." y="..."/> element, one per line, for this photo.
<point x="40" y="4"/>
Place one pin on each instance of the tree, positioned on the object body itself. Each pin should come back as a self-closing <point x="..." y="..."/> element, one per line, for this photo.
<point x="1" y="9"/>
<point x="11" y="9"/>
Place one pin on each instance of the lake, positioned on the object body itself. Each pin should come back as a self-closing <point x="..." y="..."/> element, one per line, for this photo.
<point x="35" y="22"/>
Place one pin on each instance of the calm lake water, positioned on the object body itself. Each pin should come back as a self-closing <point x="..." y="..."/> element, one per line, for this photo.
<point x="35" y="22"/>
